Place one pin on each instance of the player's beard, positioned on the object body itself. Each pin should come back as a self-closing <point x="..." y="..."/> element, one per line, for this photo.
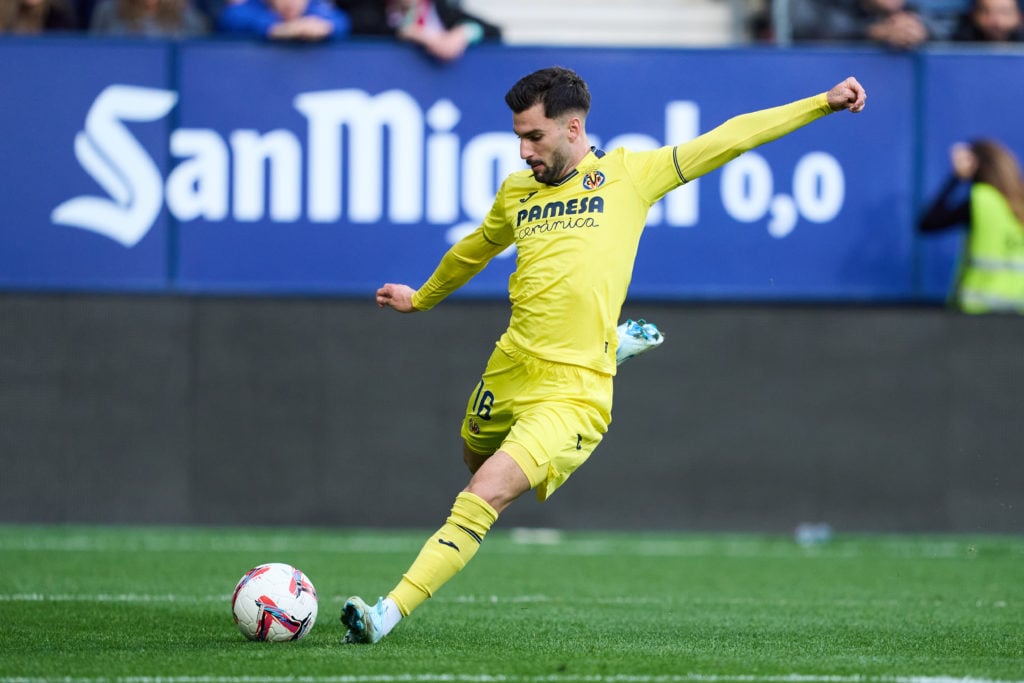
<point x="554" y="170"/>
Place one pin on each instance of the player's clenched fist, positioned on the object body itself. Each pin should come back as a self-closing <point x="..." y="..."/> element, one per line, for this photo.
<point x="848" y="95"/>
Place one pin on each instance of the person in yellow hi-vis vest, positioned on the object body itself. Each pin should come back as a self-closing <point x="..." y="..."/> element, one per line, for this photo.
<point x="991" y="275"/>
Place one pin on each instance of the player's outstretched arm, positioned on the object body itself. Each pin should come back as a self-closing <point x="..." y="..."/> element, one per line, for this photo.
<point x="741" y="133"/>
<point x="848" y="95"/>
<point x="398" y="297"/>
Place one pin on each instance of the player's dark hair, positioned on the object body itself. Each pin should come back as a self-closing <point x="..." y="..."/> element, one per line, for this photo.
<point x="560" y="90"/>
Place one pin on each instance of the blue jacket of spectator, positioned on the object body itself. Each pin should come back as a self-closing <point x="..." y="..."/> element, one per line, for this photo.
<point x="256" y="18"/>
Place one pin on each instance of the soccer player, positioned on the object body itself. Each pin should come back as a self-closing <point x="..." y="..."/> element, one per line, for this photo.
<point x="544" y="401"/>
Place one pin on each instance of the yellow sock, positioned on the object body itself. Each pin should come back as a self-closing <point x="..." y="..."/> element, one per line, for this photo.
<point x="446" y="552"/>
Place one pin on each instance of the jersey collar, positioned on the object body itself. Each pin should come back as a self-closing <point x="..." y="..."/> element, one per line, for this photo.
<point x="575" y="172"/>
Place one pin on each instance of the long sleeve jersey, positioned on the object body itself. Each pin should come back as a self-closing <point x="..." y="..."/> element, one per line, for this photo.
<point x="576" y="241"/>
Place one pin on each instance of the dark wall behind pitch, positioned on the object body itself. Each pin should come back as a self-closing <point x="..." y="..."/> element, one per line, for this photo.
<point x="278" y="411"/>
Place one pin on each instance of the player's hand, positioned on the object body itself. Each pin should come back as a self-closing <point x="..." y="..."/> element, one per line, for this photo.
<point x="847" y="95"/>
<point x="398" y="297"/>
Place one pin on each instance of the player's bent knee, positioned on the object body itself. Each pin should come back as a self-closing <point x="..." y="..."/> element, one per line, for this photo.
<point x="499" y="482"/>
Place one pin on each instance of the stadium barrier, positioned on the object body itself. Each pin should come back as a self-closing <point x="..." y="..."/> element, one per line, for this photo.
<point x="261" y="410"/>
<point x="192" y="232"/>
<point x="233" y="167"/>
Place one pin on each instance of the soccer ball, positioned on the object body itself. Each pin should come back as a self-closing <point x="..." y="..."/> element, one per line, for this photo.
<point x="274" y="602"/>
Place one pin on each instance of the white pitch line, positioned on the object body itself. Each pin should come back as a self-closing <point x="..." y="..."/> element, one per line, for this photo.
<point x="512" y="678"/>
<point x="110" y="597"/>
<point x="471" y="600"/>
<point x="143" y="598"/>
<point x="515" y="542"/>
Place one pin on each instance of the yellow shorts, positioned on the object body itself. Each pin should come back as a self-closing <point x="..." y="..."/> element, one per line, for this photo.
<point x="548" y="416"/>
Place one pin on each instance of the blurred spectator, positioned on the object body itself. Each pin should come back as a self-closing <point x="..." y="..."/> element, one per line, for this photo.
<point x="943" y="15"/>
<point x="984" y="195"/>
<point x="993" y="21"/>
<point x="36" y="16"/>
<point x="895" y="23"/>
<point x="441" y="27"/>
<point x="148" y="18"/>
<point x="304" y="20"/>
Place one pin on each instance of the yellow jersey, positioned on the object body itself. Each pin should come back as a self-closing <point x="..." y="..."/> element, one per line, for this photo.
<point x="576" y="241"/>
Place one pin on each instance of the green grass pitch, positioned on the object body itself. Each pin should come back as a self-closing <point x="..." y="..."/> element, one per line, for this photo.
<point x="151" y="605"/>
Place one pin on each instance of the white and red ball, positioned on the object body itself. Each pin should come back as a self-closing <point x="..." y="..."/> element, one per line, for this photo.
<point x="275" y="602"/>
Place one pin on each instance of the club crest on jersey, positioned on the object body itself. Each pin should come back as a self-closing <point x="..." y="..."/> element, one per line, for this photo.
<point x="593" y="180"/>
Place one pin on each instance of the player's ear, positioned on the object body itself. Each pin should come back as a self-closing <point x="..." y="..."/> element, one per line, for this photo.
<point x="574" y="127"/>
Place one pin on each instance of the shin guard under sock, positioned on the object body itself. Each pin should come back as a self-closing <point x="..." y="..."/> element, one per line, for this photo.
<point x="446" y="552"/>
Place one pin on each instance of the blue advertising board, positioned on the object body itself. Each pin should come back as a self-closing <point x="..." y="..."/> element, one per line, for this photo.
<point x="237" y="167"/>
<point x="336" y="178"/>
<point x="70" y="105"/>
